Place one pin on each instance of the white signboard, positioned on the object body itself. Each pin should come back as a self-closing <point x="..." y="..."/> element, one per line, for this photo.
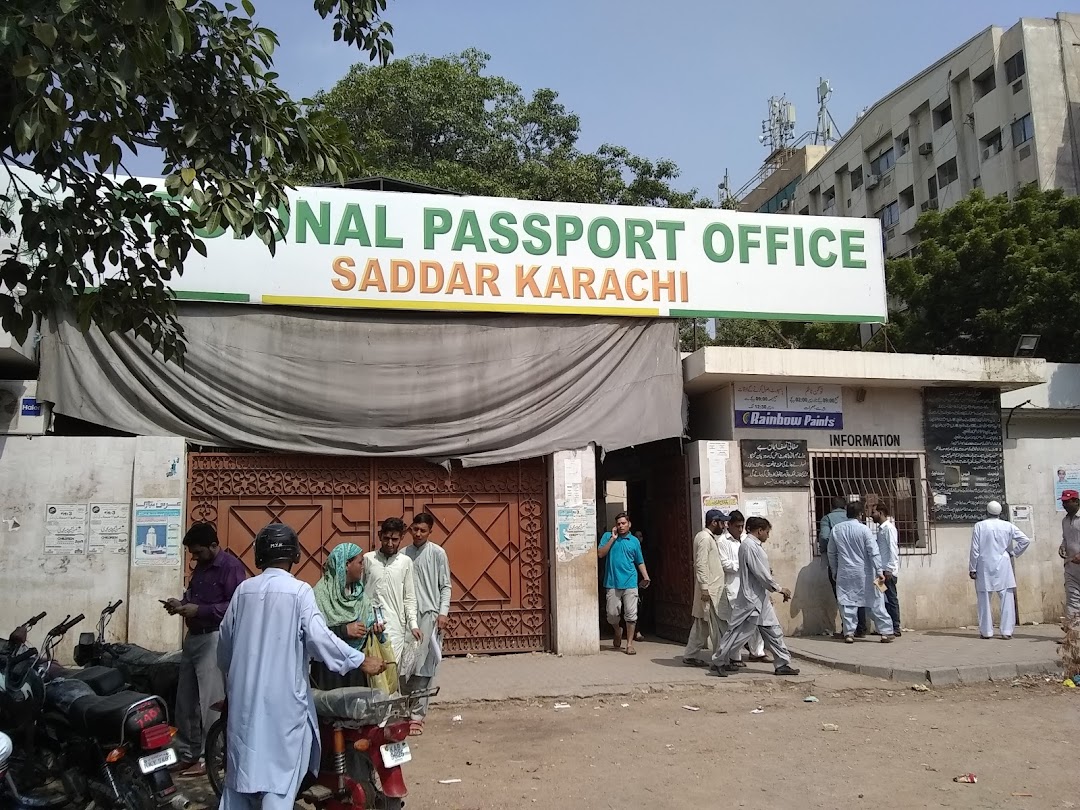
<point x="344" y="248"/>
<point x="65" y="528"/>
<point x="157" y="532"/>
<point x="805" y="407"/>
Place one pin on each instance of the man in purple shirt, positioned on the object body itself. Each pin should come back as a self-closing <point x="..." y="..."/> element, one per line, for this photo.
<point x="217" y="574"/>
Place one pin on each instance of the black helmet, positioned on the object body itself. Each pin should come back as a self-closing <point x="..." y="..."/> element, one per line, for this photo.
<point x="276" y="543"/>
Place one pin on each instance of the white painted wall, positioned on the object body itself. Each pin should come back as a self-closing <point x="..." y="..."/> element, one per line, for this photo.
<point x="52" y="469"/>
<point x="575" y="628"/>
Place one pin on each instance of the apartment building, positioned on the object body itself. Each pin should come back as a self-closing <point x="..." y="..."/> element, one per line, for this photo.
<point x="999" y="112"/>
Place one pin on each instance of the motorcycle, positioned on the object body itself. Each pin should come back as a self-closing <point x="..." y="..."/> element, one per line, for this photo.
<point x="29" y="770"/>
<point x="144" y="670"/>
<point x="364" y="736"/>
<point x="115" y="748"/>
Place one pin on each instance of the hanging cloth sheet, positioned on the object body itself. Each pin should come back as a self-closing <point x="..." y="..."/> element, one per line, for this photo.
<point x="483" y="390"/>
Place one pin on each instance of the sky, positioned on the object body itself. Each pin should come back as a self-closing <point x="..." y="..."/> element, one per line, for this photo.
<point x="687" y="80"/>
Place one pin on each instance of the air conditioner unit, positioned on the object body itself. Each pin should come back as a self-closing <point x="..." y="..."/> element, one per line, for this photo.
<point x="873" y="181"/>
<point x="20" y="412"/>
<point x="933" y="204"/>
<point x="926" y="149"/>
<point x="986" y="153"/>
<point x="784" y="205"/>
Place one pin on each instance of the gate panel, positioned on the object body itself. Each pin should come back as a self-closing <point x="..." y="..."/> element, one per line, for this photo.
<point x="490" y="520"/>
<point x="674" y="581"/>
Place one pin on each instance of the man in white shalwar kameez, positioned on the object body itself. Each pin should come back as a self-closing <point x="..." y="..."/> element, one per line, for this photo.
<point x="856" y="559"/>
<point x="729" y="553"/>
<point x="431" y="572"/>
<point x="994" y="543"/>
<point x="389" y="583"/>
<point x="270" y="632"/>
<point x="709" y="579"/>
<point x="753" y="610"/>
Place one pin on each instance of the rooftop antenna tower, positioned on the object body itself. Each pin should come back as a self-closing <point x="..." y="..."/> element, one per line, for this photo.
<point x="778" y="132"/>
<point x="827" y="132"/>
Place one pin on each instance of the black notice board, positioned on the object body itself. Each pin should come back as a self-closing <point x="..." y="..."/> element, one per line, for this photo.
<point x="964" y="454"/>
<point x="774" y="463"/>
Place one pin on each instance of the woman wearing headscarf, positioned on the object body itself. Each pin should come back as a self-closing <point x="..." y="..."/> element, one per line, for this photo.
<point x="350" y="615"/>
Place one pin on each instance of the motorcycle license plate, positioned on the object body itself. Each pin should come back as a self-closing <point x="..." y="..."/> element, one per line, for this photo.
<point x="395" y="754"/>
<point x="155" y="762"/>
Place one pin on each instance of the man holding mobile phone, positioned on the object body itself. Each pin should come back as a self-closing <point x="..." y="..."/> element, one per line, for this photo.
<point x="624" y="562"/>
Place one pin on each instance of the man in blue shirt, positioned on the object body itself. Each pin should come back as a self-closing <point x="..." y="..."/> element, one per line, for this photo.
<point x="624" y="562"/>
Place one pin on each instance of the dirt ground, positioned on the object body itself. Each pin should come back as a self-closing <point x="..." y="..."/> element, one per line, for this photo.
<point x="899" y="748"/>
<point x="892" y="746"/>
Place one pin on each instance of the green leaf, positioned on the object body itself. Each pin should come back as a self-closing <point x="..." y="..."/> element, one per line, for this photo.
<point x="180" y="4"/>
<point x="24" y="66"/>
<point x="249" y="7"/>
<point x="46" y="33"/>
<point x="68" y="6"/>
<point x="266" y="41"/>
<point x="188" y="175"/>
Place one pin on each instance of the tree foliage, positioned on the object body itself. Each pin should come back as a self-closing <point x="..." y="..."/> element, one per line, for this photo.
<point x="446" y="122"/>
<point x="988" y="271"/>
<point x="83" y="80"/>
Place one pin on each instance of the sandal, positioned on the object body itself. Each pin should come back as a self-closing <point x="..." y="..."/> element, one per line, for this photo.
<point x="631" y="651"/>
<point x="416" y="728"/>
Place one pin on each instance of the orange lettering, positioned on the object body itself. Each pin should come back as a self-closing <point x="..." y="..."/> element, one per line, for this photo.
<point x="343" y="266"/>
<point x="584" y="278"/>
<point x="486" y="275"/>
<point x="633" y="293"/>
<point x="556" y="283"/>
<point x="610" y="285"/>
<point x="683" y="284"/>
<point x="459" y="280"/>
<point x="402" y="276"/>
<point x="527" y="280"/>
<point x="431" y="277"/>
<point x="658" y="285"/>
<point x="373" y="277"/>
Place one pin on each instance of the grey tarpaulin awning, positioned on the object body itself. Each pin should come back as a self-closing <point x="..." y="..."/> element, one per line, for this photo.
<point x="480" y="389"/>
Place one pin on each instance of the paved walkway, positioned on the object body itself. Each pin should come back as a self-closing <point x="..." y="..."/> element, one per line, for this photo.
<point x="940" y="657"/>
<point x="656" y="667"/>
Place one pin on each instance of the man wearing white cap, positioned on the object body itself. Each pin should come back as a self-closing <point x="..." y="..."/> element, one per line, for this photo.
<point x="708" y="589"/>
<point x="994" y="542"/>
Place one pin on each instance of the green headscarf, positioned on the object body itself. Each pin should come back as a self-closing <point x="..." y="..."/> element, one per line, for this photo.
<point x="339" y="602"/>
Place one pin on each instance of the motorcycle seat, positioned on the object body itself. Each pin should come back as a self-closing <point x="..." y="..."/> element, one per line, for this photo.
<point x="103" y="716"/>
<point x="349" y="703"/>
<point x="103" y="680"/>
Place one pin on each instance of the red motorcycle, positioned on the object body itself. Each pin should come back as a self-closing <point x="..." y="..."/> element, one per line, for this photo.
<point x="364" y="745"/>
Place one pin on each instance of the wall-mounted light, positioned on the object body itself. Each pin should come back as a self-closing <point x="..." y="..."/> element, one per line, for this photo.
<point x="1026" y="346"/>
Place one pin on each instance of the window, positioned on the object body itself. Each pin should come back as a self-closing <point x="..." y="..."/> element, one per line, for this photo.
<point x="977" y="182"/>
<point x="985" y="82"/>
<point x="829" y="201"/>
<point x="1015" y="67"/>
<point x="895" y="479"/>
<point x="856" y="178"/>
<point x="991" y="144"/>
<point x="903" y="143"/>
<point x="942" y="115"/>
<point x="883" y="162"/>
<point x="889" y="215"/>
<point x="907" y="198"/>
<point x="931" y="188"/>
<point x="1023" y="130"/>
<point x="947" y="173"/>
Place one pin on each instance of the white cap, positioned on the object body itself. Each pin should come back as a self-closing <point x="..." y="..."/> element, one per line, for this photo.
<point x="993" y="508"/>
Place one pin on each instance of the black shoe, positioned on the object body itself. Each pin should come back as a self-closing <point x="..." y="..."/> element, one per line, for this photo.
<point x="732" y="667"/>
<point x="738" y="664"/>
<point x="719" y="673"/>
<point x="860" y="635"/>
<point x="694" y="662"/>
<point x="786" y="670"/>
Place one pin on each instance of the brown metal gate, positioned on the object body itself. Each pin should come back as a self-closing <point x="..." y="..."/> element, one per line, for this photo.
<point x="674" y="575"/>
<point x="490" y="520"/>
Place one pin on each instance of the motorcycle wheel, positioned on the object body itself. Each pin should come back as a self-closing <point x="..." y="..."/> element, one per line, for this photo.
<point x="380" y="800"/>
<point x="43" y="774"/>
<point x="134" y="791"/>
<point x="215" y="756"/>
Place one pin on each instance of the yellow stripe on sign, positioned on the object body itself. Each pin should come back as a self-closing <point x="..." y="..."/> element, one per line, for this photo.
<point x="450" y="306"/>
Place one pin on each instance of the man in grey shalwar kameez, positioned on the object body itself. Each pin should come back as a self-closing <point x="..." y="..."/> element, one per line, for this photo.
<point x="271" y="630"/>
<point x="431" y="574"/>
<point x="856" y="559"/>
<point x="753" y="610"/>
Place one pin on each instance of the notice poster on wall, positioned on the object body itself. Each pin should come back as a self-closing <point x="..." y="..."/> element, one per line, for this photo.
<point x="572" y="481"/>
<point x="65" y="528"/>
<point x="110" y="528"/>
<point x="157" y="532"/>
<point x="575" y="530"/>
<point x="1066" y="476"/>
<point x="717" y="454"/>
<point x="725" y="503"/>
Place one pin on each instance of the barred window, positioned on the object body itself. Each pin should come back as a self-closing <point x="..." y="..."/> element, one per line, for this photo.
<point x="897" y="479"/>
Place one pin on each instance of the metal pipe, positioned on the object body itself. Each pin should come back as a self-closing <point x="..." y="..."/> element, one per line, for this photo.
<point x="1011" y="412"/>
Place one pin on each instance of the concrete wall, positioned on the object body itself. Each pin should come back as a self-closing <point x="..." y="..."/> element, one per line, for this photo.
<point x="575" y="628"/>
<point x="58" y="470"/>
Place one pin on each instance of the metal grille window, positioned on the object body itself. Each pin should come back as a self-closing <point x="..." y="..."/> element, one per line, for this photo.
<point x="898" y="479"/>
